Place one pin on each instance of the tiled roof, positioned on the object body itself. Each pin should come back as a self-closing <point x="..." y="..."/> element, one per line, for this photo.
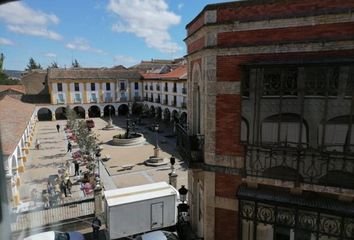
<point x="33" y="82"/>
<point x="14" y="116"/>
<point x="178" y="73"/>
<point x="92" y="73"/>
<point x="17" y="88"/>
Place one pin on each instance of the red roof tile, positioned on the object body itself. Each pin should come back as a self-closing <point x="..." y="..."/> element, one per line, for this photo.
<point x="17" y="88"/>
<point x="14" y="117"/>
<point x="178" y="73"/>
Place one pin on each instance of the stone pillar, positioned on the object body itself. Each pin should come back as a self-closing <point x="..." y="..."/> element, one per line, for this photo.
<point x="86" y="114"/>
<point x="98" y="200"/>
<point x="53" y="117"/>
<point x="172" y="176"/>
<point x="101" y="114"/>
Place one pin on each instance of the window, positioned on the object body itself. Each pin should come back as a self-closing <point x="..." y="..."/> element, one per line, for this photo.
<point x="122" y="86"/>
<point x="108" y="97"/>
<point x="108" y="86"/>
<point x="93" y="87"/>
<point x="316" y="81"/>
<point x="77" y="98"/>
<point x="93" y="97"/>
<point x="60" y="87"/>
<point x="77" y="87"/>
<point x="60" y="98"/>
<point x="136" y="86"/>
<point x="276" y="82"/>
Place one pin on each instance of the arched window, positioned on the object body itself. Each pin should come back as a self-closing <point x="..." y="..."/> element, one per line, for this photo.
<point x="284" y="130"/>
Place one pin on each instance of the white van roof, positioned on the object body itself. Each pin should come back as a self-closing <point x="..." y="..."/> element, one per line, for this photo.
<point x="122" y="196"/>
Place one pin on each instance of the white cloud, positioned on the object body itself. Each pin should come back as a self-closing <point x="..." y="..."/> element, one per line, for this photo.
<point x="20" y="18"/>
<point x="5" y="41"/>
<point x="124" y="60"/>
<point x="50" y="55"/>
<point x="147" y="19"/>
<point x="82" y="44"/>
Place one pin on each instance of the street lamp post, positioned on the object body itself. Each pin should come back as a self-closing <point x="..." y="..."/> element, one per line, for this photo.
<point x="172" y="175"/>
<point x="98" y="189"/>
<point x="156" y="149"/>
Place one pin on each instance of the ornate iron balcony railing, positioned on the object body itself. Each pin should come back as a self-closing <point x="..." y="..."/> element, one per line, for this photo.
<point x="190" y="147"/>
<point x="327" y="168"/>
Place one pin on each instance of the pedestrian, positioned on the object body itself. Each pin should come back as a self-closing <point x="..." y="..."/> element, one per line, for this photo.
<point x="58" y="127"/>
<point x="63" y="187"/>
<point x="96" y="224"/>
<point x="37" y="144"/>
<point x="34" y="196"/>
<point x="77" y="167"/>
<point x="69" y="184"/>
<point x="69" y="147"/>
<point x="45" y="199"/>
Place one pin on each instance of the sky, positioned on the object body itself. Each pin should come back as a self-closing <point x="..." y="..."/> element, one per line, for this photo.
<point x="98" y="33"/>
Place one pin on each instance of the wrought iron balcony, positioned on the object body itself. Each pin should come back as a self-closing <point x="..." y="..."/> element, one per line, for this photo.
<point x="137" y="98"/>
<point x="191" y="148"/>
<point x="327" y="168"/>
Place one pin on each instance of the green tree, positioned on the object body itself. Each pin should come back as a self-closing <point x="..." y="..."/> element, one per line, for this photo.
<point x="54" y="65"/>
<point x="75" y="64"/>
<point x="2" y="58"/>
<point x="33" y="65"/>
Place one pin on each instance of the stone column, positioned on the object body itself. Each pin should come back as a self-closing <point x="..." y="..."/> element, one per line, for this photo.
<point x="98" y="200"/>
<point x="53" y="117"/>
<point x="86" y="114"/>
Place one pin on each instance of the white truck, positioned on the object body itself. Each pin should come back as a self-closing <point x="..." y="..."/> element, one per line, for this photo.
<point x="133" y="210"/>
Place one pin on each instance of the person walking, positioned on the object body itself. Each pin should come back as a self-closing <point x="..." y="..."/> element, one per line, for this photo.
<point x="77" y="167"/>
<point x="70" y="147"/>
<point x="58" y="127"/>
<point x="69" y="184"/>
<point x="63" y="188"/>
<point x="96" y="224"/>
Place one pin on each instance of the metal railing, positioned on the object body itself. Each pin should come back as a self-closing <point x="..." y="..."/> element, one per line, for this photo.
<point x="190" y="147"/>
<point x="173" y="103"/>
<point x="43" y="217"/>
<point x="328" y="168"/>
<point x="184" y="105"/>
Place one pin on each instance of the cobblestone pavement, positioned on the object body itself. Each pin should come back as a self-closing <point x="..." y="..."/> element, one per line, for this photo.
<point x="52" y="156"/>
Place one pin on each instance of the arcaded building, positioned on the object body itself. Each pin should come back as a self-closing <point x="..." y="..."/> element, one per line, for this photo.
<point x="270" y="138"/>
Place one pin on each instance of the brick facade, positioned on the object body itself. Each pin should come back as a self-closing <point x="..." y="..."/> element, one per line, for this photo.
<point x="247" y="33"/>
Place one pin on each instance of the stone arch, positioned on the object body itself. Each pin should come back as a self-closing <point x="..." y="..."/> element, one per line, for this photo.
<point x="60" y="113"/>
<point x="44" y="114"/>
<point x="123" y="110"/>
<point x="197" y="101"/>
<point x="289" y="129"/>
<point x="80" y="111"/>
<point x="109" y="110"/>
<point x="152" y="111"/>
<point x="159" y="112"/>
<point x="94" y="111"/>
<point x="167" y="114"/>
<point x="183" y="117"/>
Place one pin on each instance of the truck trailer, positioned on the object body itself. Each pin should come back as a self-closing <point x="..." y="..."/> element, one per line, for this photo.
<point x="134" y="210"/>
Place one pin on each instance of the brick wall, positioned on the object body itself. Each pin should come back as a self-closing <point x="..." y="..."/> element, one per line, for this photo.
<point x="226" y="224"/>
<point x="280" y="9"/>
<point x="226" y="185"/>
<point x="198" y="23"/>
<point x="324" y="32"/>
<point x="228" y="125"/>
<point x="196" y="45"/>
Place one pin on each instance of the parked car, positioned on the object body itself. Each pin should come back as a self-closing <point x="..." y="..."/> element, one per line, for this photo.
<point x="90" y="123"/>
<point x="158" y="235"/>
<point x="54" y="235"/>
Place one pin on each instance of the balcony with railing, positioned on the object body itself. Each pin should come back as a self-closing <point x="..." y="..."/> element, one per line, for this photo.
<point x="137" y="98"/>
<point x="108" y="100"/>
<point x="157" y="100"/>
<point x="151" y="99"/>
<point x="60" y="101"/>
<point x="184" y="90"/>
<point x="165" y="102"/>
<point x="146" y="99"/>
<point x="190" y="147"/>
<point x="301" y="165"/>
<point x="123" y="99"/>
<point x="173" y="103"/>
